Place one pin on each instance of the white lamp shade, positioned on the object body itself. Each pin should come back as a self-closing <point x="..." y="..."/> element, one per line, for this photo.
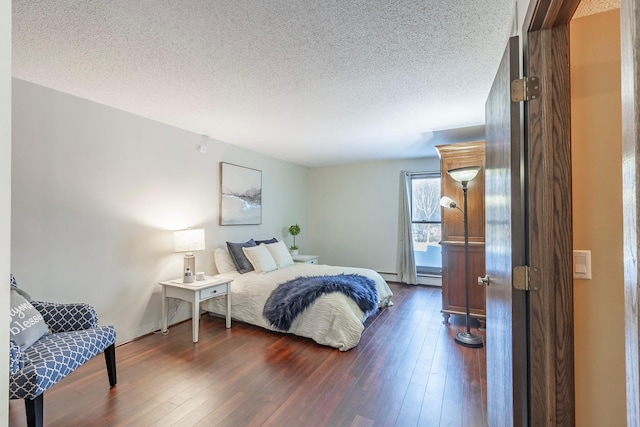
<point x="189" y="240"/>
<point x="465" y="174"/>
<point x="447" y="202"/>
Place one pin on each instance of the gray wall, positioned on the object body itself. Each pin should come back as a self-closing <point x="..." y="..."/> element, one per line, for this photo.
<point x="97" y="191"/>
<point x="354" y="212"/>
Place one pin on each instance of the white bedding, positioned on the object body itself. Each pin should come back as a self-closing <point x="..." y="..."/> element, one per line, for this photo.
<point x="333" y="319"/>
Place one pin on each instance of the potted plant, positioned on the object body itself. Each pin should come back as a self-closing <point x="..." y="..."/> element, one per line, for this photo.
<point x="294" y="230"/>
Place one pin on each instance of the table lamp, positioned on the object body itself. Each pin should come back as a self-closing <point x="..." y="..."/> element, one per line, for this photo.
<point x="189" y="240"/>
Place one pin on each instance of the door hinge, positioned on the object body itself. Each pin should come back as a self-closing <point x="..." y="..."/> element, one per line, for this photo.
<point x="525" y="89"/>
<point x="527" y="278"/>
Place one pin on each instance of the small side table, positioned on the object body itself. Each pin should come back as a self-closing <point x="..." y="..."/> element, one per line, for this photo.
<point x="306" y="259"/>
<point x="195" y="293"/>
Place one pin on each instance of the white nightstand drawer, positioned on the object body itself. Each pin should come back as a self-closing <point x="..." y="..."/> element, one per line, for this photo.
<point x="313" y="261"/>
<point x="213" y="292"/>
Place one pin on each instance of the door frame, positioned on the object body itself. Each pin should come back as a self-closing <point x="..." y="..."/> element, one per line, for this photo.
<point x="630" y="94"/>
<point x="547" y="141"/>
<point x="545" y="47"/>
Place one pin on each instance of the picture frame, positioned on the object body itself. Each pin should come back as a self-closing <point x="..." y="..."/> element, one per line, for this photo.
<point x="240" y="195"/>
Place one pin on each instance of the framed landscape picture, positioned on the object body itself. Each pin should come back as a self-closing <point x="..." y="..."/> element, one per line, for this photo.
<point x="240" y="195"/>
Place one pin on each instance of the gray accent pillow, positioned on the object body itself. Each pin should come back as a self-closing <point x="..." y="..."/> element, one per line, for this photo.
<point x="266" y="242"/>
<point x="239" y="258"/>
<point x="27" y="324"/>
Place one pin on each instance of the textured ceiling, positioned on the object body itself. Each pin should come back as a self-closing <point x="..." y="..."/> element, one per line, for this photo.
<point x="312" y="82"/>
<point x="591" y="7"/>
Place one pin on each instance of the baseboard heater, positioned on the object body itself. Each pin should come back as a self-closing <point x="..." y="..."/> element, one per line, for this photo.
<point x="423" y="279"/>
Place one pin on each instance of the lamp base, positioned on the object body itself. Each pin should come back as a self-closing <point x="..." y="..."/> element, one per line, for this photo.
<point x="468" y="339"/>
<point x="189" y="261"/>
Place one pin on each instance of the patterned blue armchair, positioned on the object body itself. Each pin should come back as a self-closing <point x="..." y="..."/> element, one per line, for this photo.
<point x="74" y="337"/>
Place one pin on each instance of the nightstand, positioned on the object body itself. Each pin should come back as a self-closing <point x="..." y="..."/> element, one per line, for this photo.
<point x="306" y="259"/>
<point x="195" y="293"/>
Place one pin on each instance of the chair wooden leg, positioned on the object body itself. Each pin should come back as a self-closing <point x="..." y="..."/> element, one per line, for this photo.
<point x="34" y="408"/>
<point x="110" y="357"/>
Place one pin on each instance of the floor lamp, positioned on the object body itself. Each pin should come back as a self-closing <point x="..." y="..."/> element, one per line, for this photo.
<point x="463" y="176"/>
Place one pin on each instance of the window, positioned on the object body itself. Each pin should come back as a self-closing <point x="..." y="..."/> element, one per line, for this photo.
<point x="426" y="222"/>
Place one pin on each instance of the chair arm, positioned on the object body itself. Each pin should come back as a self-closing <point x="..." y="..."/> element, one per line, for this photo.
<point x="67" y="317"/>
<point x="16" y="358"/>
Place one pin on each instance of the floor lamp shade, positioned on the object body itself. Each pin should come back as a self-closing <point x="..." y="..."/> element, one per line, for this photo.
<point x="465" y="174"/>
<point x="447" y="202"/>
<point x="188" y="241"/>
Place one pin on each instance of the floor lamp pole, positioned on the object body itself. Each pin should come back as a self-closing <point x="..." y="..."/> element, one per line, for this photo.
<point x="467" y="338"/>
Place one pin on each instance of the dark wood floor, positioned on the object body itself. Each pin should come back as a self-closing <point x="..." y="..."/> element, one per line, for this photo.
<point x="406" y="371"/>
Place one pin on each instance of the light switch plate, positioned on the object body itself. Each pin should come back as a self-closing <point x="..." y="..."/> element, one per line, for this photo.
<point x="582" y="264"/>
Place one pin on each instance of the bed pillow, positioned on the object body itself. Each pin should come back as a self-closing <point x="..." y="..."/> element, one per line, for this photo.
<point x="239" y="258"/>
<point x="266" y="242"/>
<point x="27" y="324"/>
<point x="280" y="254"/>
<point x="260" y="258"/>
<point x="223" y="260"/>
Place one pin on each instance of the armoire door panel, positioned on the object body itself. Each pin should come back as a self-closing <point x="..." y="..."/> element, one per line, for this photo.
<point x="454" y="295"/>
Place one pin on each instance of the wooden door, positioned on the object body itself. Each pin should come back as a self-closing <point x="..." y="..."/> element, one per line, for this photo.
<point x="543" y="395"/>
<point x="504" y="240"/>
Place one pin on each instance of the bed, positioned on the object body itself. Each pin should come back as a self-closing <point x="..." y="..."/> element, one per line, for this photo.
<point x="333" y="319"/>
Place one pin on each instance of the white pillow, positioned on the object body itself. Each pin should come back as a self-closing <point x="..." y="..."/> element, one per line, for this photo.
<point x="260" y="258"/>
<point x="223" y="260"/>
<point x="280" y="254"/>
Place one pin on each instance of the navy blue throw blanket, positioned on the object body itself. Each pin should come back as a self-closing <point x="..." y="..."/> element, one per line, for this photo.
<point x="293" y="297"/>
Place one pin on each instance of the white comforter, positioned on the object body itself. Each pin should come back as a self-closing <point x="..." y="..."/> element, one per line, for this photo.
<point x="333" y="319"/>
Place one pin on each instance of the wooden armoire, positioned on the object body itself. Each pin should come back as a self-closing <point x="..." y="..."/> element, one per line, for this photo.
<point x="453" y="266"/>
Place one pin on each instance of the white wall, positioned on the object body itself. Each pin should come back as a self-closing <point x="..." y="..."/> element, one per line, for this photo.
<point x="5" y="198"/>
<point x="97" y="190"/>
<point x="354" y="213"/>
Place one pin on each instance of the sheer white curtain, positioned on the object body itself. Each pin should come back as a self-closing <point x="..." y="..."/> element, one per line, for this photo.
<point x="406" y="261"/>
